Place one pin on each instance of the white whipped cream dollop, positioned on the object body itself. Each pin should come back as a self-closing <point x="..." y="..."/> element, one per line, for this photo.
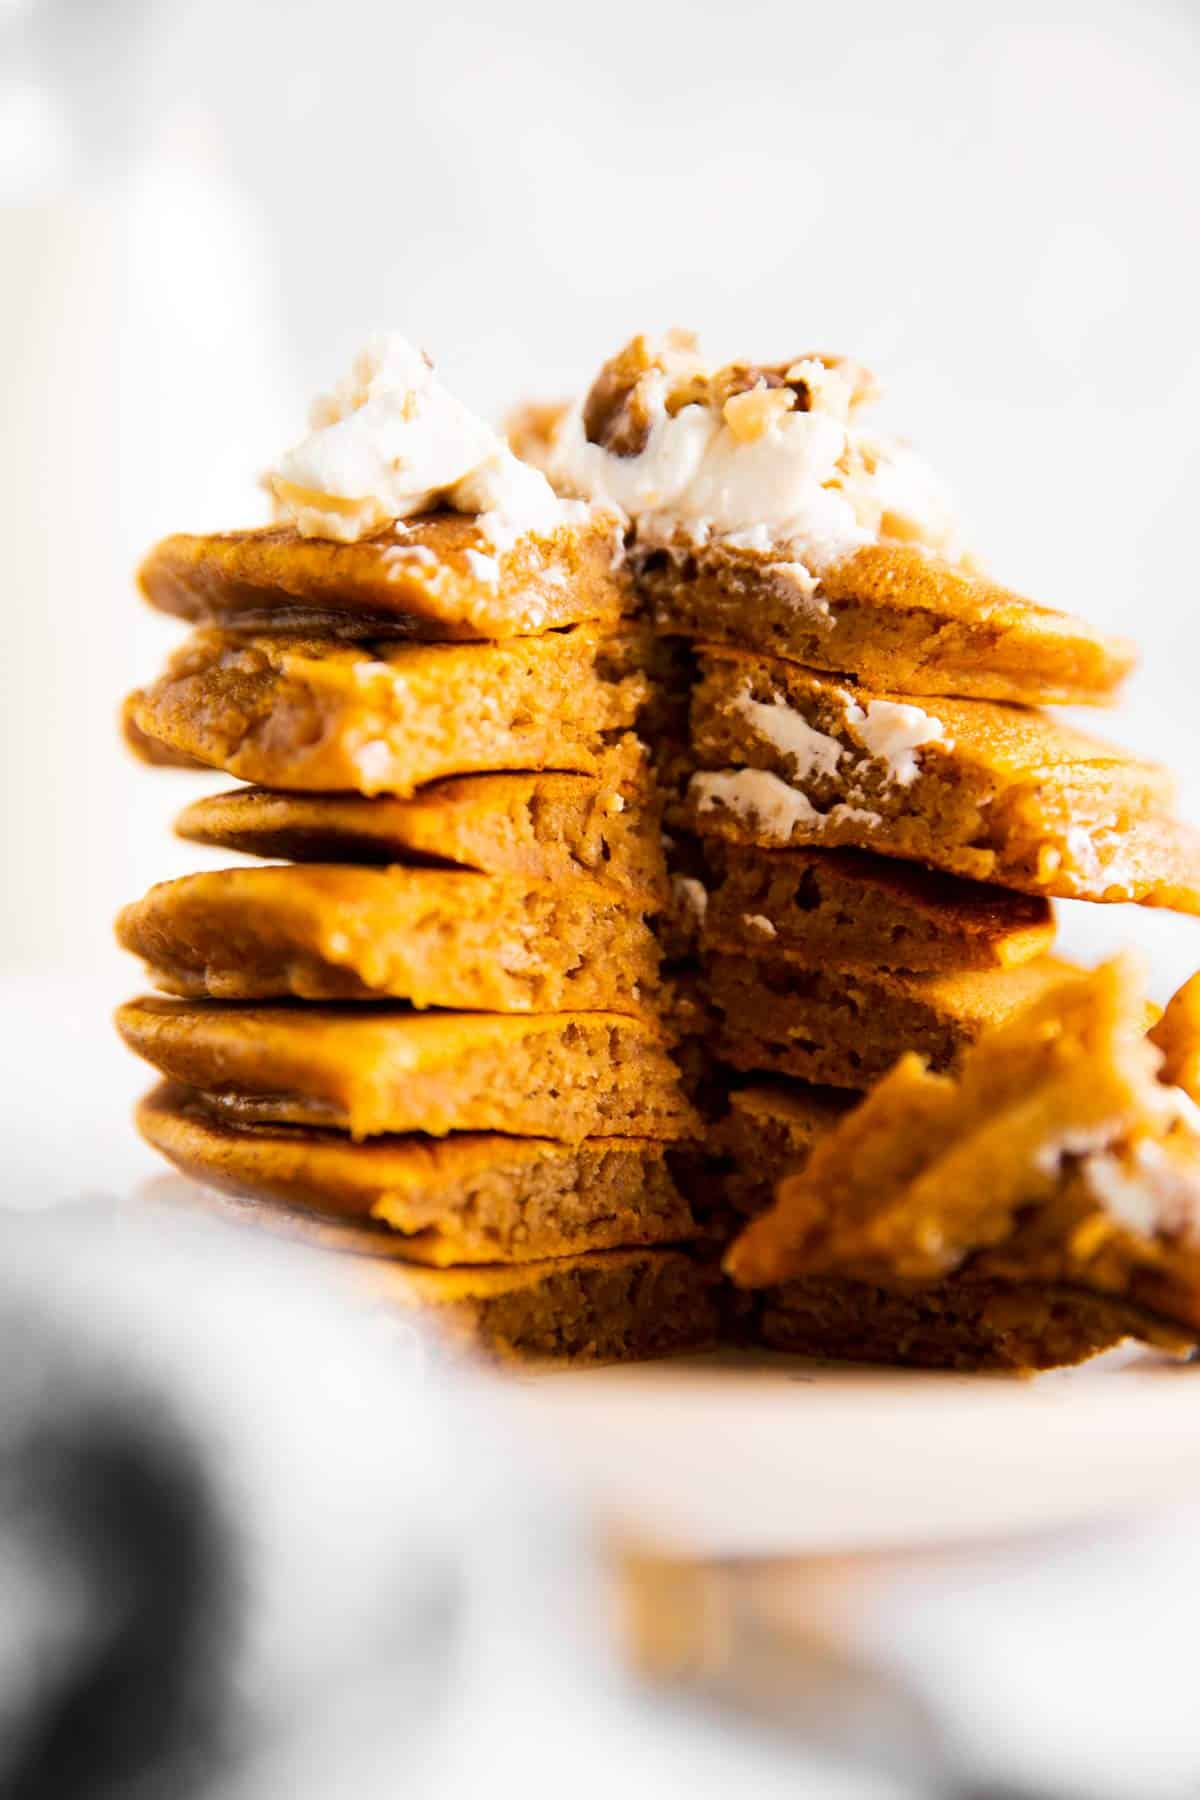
<point x="391" y="441"/>
<point x="773" y="467"/>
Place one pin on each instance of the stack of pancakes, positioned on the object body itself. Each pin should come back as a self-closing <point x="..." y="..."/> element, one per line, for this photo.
<point x="435" y="1034"/>
<point x="440" y="1033"/>
<point x="878" y="861"/>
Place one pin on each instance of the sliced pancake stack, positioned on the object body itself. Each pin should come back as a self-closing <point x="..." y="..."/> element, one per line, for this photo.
<point x="433" y="1035"/>
<point x="880" y="869"/>
<point x="883" y="808"/>
<point x="438" y="1033"/>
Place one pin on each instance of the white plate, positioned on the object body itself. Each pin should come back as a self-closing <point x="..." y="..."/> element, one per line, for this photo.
<point x="740" y="1454"/>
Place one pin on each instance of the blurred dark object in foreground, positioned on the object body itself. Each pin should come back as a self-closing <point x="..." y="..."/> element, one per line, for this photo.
<point x="124" y="1580"/>
<point x="198" y="1533"/>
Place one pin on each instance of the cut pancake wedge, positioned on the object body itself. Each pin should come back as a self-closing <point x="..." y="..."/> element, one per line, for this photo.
<point x="437" y="576"/>
<point x="469" y="1198"/>
<point x="994" y="793"/>
<point x="386" y="718"/>
<point x="386" y="1070"/>
<point x="434" y="937"/>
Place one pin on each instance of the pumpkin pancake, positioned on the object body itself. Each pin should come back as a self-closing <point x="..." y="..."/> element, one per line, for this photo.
<point x="387" y="718"/>
<point x="545" y="827"/>
<point x="846" y="1027"/>
<point x="608" y="1306"/>
<point x="994" y="793"/>
<point x="767" y="1133"/>
<point x="437" y="576"/>
<point x="964" y="1322"/>
<point x="435" y="937"/>
<point x="384" y="1070"/>
<point x="470" y="1198"/>
<point x="849" y="909"/>
<point x="893" y="616"/>
<point x="148" y="749"/>
<point x="1054" y="1157"/>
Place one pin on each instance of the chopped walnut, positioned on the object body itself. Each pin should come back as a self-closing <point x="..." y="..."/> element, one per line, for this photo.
<point x="726" y="384"/>
<point x="744" y="378"/>
<point x="615" y="414"/>
<point x="862" y="386"/>
<point x="750" y="414"/>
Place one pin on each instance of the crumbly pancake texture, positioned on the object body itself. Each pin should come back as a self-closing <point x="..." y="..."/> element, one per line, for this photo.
<point x="312" y="714"/>
<point x="435" y="937"/>
<point x="609" y="1306"/>
<point x="545" y="827"/>
<point x="437" y="577"/>
<point x="960" y="1323"/>
<point x="386" y="1070"/>
<point x="1055" y="1156"/>
<point x="994" y="793"/>
<point x="471" y="1198"/>
<point x="849" y="909"/>
<point x="895" y="616"/>
<point x="769" y="1132"/>
<point x="846" y="1027"/>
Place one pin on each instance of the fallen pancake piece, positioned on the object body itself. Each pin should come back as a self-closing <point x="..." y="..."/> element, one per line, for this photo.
<point x="561" y="1075"/>
<point x="546" y="827"/>
<point x="848" y="909"/>
<point x="387" y="718"/>
<point x="435" y="937"/>
<point x="1055" y="1157"/>
<point x="438" y="577"/>
<point x="964" y="1322"/>
<point x="471" y="1198"/>
<point x="609" y="1306"/>
<point x="991" y="792"/>
<point x="894" y="616"/>
<point x="846" y="1027"/>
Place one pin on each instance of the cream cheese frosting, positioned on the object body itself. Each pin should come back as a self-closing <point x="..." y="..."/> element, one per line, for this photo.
<point x="391" y="441"/>
<point x="758" y="459"/>
<point x="890" y="731"/>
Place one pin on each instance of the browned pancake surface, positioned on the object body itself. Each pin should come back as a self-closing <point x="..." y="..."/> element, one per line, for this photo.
<point x="436" y="576"/>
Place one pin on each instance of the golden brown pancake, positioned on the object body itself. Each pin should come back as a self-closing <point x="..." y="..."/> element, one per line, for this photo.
<point x="608" y="1306"/>
<point x="600" y="1306"/>
<point x="893" y="616"/>
<point x="994" y="793"/>
<point x="436" y="577"/>
<point x="543" y="827"/>
<point x="964" y="1322"/>
<point x="846" y="1027"/>
<point x="384" y="1070"/>
<point x="387" y="718"/>
<point x="473" y="1197"/>
<point x="847" y="909"/>
<point x="768" y="1132"/>
<point x="434" y="937"/>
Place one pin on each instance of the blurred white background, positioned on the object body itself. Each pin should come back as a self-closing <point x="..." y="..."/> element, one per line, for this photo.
<point x="207" y="204"/>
